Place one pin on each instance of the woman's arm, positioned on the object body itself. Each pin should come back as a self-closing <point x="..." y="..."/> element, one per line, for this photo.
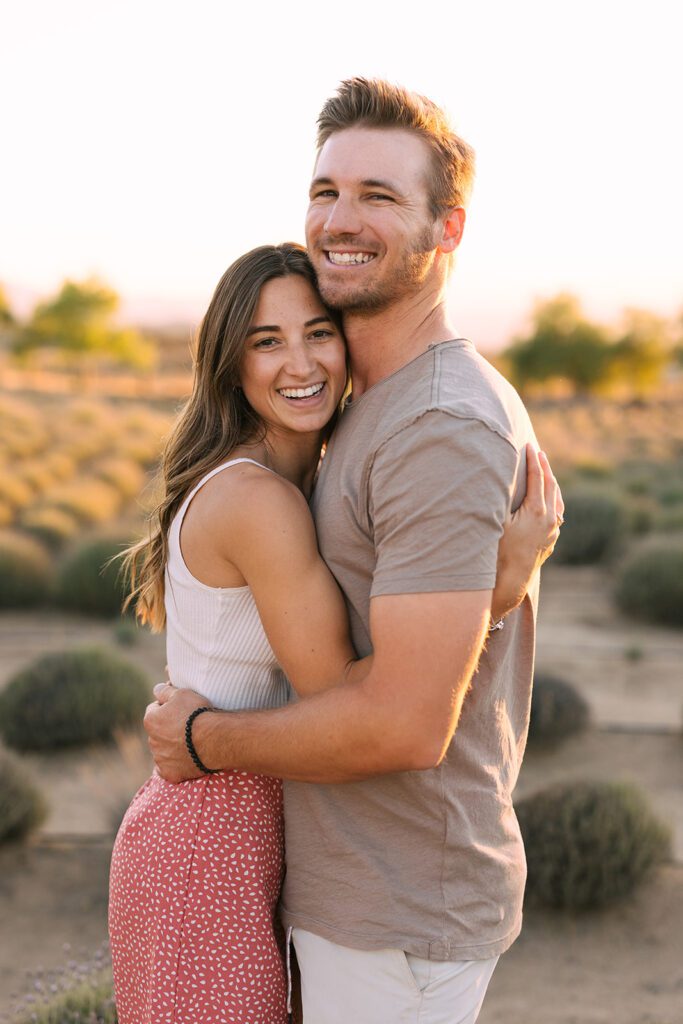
<point x="530" y="535"/>
<point x="250" y="526"/>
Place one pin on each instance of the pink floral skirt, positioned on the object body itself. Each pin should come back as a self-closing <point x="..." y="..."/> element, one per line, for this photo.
<point x="195" y="879"/>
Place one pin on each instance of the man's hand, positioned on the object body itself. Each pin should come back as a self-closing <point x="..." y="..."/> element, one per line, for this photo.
<point x="165" y="724"/>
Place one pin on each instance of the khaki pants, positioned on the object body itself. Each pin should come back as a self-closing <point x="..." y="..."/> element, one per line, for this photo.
<point x="387" y="986"/>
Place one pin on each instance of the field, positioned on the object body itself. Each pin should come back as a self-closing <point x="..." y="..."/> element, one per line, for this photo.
<point x="87" y="460"/>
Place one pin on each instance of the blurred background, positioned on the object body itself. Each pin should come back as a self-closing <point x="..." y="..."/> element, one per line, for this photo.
<point x="146" y="146"/>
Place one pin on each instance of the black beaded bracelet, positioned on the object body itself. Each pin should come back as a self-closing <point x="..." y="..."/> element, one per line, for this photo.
<point x="190" y="745"/>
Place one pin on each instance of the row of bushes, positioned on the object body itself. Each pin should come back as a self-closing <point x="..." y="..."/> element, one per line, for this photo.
<point x="649" y="584"/>
<point x="599" y="521"/>
<point x="82" y="696"/>
<point x="588" y="844"/>
<point x="82" y="582"/>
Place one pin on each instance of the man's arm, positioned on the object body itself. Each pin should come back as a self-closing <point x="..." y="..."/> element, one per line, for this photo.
<point x="400" y="717"/>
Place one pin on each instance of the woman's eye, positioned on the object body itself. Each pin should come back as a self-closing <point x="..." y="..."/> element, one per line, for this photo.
<point x="266" y="343"/>
<point x="321" y="335"/>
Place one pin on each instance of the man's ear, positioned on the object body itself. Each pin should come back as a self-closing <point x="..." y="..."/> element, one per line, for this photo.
<point x="452" y="229"/>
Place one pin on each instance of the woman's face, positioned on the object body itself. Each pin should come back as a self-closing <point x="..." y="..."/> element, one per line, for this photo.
<point x="293" y="370"/>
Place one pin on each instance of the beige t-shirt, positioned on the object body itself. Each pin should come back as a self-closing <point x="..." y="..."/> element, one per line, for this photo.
<point x="412" y="497"/>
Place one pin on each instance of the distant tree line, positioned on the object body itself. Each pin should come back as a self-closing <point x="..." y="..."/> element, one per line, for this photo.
<point x="564" y="345"/>
<point x="78" y="322"/>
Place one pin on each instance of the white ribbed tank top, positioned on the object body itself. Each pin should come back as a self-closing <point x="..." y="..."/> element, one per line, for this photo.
<point x="215" y="643"/>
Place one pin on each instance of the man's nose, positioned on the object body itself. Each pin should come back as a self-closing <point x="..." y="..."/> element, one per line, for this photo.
<point x="343" y="218"/>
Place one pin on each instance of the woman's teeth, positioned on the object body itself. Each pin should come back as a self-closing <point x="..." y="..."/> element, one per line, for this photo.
<point x="350" y="257"/>
<point x="314" y="389"/>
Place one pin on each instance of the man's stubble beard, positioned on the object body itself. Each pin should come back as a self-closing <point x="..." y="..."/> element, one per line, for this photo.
<point x="407" y="278"/>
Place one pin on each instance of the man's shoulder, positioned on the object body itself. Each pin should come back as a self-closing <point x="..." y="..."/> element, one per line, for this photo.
<point x="454" y="380"/>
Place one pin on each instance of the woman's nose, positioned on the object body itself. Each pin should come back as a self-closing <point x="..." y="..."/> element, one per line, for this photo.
<point x="300" y="361"/>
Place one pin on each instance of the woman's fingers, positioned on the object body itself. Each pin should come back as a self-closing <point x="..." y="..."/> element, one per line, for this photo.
<point x="163" y="691"/>
<point x="553" y="495"/>
<point x="534" y="480"/>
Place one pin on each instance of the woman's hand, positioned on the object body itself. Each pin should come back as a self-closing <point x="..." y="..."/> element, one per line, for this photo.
<point x="530" y="535"/>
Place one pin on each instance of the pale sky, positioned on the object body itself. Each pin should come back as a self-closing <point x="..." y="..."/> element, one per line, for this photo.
<point x="150" y="142"/>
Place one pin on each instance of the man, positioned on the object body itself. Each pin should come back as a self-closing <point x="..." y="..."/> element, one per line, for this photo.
<point x="405" y="862"/>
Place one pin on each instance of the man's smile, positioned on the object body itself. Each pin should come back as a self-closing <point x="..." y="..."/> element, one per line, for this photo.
<point x="347" y="257"/>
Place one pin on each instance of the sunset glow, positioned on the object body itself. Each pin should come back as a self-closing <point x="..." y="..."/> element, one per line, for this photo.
<point x="150" y="143"/>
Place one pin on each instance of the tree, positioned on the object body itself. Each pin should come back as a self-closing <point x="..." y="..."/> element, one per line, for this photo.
<point x="642" y="351"/>
<point x="78" y="321"/>
<point x="562" y="344"/>
<point x="6" y="315"/>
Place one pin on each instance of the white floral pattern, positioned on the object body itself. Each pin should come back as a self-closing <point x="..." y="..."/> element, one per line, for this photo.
<point x="195" y="878"/>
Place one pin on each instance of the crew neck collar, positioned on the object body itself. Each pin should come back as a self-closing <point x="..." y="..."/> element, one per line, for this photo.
<point x="351" y="403"/>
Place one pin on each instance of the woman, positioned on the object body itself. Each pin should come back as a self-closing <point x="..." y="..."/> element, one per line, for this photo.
<point x="232" y="569"/>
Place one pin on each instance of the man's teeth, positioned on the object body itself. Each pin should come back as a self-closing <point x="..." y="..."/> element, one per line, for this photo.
<point x="314" y="389"/>
<point x="350" y="257"/>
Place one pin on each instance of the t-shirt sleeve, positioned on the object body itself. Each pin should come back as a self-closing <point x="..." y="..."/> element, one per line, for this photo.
<point x="438" y="495"/>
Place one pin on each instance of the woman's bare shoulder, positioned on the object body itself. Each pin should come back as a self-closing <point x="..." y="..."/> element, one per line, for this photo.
<point x="247" y="500"/>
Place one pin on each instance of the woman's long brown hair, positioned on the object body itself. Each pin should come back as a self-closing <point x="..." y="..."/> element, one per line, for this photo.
<point x="216" y="419"/>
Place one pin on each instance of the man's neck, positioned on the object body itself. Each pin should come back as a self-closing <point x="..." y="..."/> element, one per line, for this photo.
<point x="381" y="343"/>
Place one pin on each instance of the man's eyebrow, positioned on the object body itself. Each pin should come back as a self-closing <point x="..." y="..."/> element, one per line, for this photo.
<point x="382" y="183"/>
<point x="320" y="181"/>
<point x="274" y="328"/>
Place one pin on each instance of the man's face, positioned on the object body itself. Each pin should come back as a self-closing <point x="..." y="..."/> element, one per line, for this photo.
<point x="369" y="230"/>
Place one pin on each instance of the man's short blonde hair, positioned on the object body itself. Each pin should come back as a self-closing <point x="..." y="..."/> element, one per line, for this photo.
<point x="374" y="103"/>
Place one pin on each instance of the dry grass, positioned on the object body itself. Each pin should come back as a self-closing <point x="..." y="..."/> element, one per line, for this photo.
<point x="68" y="462"/>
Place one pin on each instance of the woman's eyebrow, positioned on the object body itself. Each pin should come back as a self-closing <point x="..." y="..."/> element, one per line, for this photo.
<point x="276" y="327"/>
<point x="266" y="327"/>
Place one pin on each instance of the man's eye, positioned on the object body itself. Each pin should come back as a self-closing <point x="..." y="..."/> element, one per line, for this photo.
<point x="379" y="195"/>
<point x="327" y="193"/>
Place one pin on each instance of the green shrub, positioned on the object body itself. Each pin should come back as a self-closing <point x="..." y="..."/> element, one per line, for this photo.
<point x="25" y="571"/>
<point x="85" y="1002"/>
<point x="53" y="526"/>
<point x="594" y="468"/>
<point x="650" y="585"/>
<point x="22" y="807"/>
<point x="127" y="632"/>
<point x="86" y="583"/>
<point x="588" y="844"/>
<point x="72" y="698"/>
<point x="557" y="710"/>
<point x="593" y="529"/>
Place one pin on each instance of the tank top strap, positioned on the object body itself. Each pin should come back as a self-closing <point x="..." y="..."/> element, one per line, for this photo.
<point x="180" y="515"/>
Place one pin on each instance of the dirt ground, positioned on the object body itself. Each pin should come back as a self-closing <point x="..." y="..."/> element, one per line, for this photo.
<point x="623" y="965"/>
